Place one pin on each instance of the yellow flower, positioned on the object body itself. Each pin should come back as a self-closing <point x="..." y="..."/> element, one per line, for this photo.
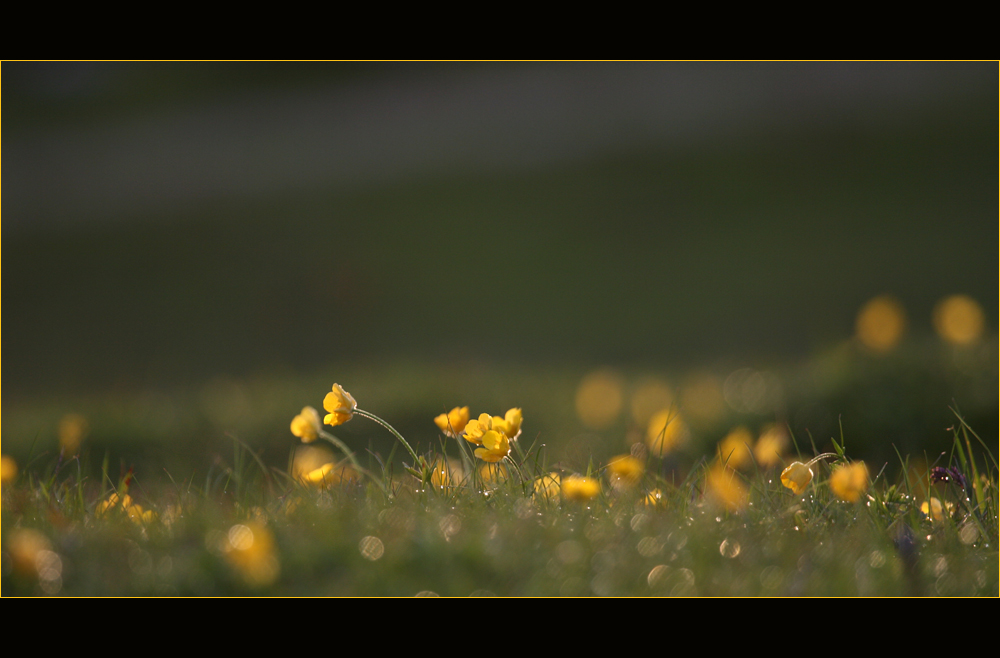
<point x="24" y="547"/>
<point x="726" y="487"/>
<point x="446" y="472"/>
<point x="849" y="481"/>
<point x="8" y="469"/>
<point x="797" y="477"/>
<point x="881" y="323"/>
<point x="251" y="551"/>
<point x="733" y="450"/>
<point x="510" y="424"/>
<point x="769" y="446"/>
<point x="475" y="429"/>
<point x="959" y="319"/>
<point x="666" y="430"/>
<point x="306" y="425"/>
<point x="580" y="488"/>
<point x="114" y="503"/>
<point x="73" y="430"/>
<point x="625" y="471"/>
<point x="453" y="422"/>
<point x="547" y="488"/>
<point x="328" y="475"/>
<point x="496" y="446"/>
<point x="935" y="510"/>
<point x="340" y="404"/>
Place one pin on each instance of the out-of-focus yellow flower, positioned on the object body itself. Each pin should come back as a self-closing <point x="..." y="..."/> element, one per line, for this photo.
<point x="73" y="429"/>
<point x="306" y="425"/>
<point x="24" y="546"/>
<point x="797" y="477"/>
<point x="849" y="481"/>
<point x="958" y="319"/>
<point x="936" y="511"/>
<point x="445" y="473"/>
<point x="547" y="488"/>
<point x="734" y="450"/>
<point x="493" y="473"/>
<point x="496" y="446"/>
<point x="510" y="424"/>
<point x="726" y="488"/>
<point x="702" y="398"/>
<point x="453" y="422"/>
<point x="251" y="551"/>
<point x="599" y="399"/>
<point x="769" y="446"/>
<point x="340" y="405"/>
<point x="665" y="432"/>
<point x="881" y="323"/>
<point x="655" y="499"/>
<point x="625" y="471"/>
<point x="307" y="458"/>
<point x="8" y="470"/>
<point x="328" y="475"/>
<point x="580" y="489"/>
<point x="475" y="429"/>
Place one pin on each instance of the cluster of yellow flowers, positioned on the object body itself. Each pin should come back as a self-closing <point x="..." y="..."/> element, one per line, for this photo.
<point x="492" y="433"/>
<point x="123" y="504"/>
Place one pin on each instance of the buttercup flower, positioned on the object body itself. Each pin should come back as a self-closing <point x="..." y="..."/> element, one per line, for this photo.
<point x="496" y="446"/>
<point x="306" y="425"/>
<point x="8" y="469"/>
<point x="510" y="424"/>
<point x="726" y="487"/>
<point x="797" y="477"/>
<point x="935" y="510"/>
<point x="453" y="422"/>
<point x="340" y="404"/>
<point x="849" y="481"/>
<point x="547" y="488"/>
<point x="475" y="429"/>
<point x="328" y="475"/>
<point x="625" y="471"/>
<point x="655" y="498"/>
<point x="580" y="488"/>
<point x="733" y="450"/>
<point x="665" y="431"/>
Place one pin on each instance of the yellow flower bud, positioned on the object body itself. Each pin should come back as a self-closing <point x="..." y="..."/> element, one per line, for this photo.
<point x="306" y="425"/>
<point x="797" y="477"/>
<point x="340" y="405"/>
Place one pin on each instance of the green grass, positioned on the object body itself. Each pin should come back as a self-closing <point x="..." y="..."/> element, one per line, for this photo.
<point x="389" y="534"/>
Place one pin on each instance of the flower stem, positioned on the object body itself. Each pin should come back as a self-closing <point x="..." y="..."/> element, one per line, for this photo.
<point x="819" y="457"/>
<point x="371" y="416"/>
<point x="350" y="455"/>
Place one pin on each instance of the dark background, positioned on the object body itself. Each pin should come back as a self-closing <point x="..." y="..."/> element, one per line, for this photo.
<point x="218" y="239"/>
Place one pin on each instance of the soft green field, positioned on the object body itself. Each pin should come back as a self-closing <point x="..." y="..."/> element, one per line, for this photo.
<point x="707" y="518"/>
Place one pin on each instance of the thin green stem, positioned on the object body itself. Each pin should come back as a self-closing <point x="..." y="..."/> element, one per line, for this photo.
<point x="371" y="416"/>
<point x="350" y="455"/>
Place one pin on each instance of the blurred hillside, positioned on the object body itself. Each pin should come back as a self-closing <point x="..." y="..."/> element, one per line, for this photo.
<point x="179" y="225"/>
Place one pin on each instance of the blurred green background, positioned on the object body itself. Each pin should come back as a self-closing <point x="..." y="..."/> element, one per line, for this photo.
<point x="197" y="250"/>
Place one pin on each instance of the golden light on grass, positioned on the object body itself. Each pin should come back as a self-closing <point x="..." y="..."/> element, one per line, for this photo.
<point x="579" y="488"/>
<point x="959" y="319"/>
<point x="599" y="399"/>
<point x="650" y="396"/>
<point x="665" y="432"/>
<point x="734" y="450"/>
<point x="308" y="458"/>
<point x="849" y="481"/>
<point x="446" y="473"/>
<point x="329" y="474"/>
<point x="73" y="429"/>
<point x="881" y="323"/>
<point x="935" y="510"/>
<point x="24" y="547"/>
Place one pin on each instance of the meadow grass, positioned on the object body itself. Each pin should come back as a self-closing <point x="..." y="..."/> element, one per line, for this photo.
<point x="450" y="524"/>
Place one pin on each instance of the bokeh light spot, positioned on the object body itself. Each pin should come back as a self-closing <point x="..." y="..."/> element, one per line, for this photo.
<point x="599" y="399"/>
<point x="958" y="319"/>
<point x="881" y="323"/>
